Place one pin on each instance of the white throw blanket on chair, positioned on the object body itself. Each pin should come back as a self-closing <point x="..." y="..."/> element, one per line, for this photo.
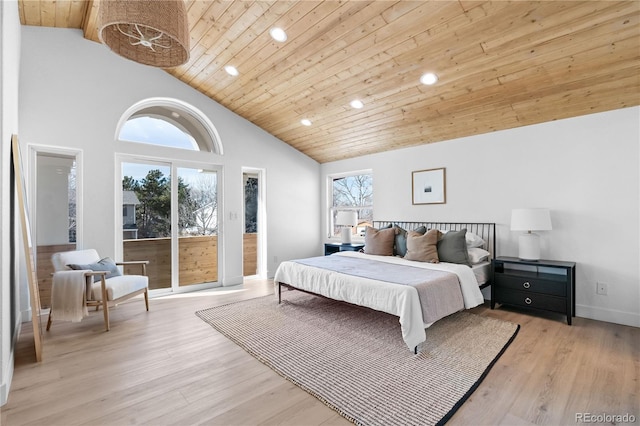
<point x="68" y="296"/>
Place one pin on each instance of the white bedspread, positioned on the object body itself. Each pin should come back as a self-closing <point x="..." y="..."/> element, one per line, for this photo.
<point x="399" y="300"/>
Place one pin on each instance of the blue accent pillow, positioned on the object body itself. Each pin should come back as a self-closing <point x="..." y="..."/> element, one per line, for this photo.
<point x="106" y="264"/>
<point x="400" y="247"/>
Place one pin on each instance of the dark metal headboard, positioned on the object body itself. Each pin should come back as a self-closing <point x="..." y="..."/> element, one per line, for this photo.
<point x="486" y="231"/>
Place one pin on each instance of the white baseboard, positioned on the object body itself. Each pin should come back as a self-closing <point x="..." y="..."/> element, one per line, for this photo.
<point x="5" y="386"/>
<point x="26" y="315"/>
<point x="608" y="315"/>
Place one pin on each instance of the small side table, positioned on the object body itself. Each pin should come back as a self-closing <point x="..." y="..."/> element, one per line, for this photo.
<point x="330" y="248"/>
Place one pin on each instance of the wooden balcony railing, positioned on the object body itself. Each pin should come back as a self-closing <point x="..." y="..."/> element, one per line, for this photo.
<point x="197" y="259"/>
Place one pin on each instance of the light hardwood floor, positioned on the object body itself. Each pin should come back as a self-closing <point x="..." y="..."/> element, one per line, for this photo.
<point x="167" y="367"/>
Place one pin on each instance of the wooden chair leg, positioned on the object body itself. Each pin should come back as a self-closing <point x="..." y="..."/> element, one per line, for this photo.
<point x="146" y="298"/>
<point x="105" y="307"/>
<point x="105" y="303"/>
<point x="49" y="320"/>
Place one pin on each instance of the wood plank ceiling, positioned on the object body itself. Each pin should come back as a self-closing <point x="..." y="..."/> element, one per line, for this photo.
<point x="500" y="65"/>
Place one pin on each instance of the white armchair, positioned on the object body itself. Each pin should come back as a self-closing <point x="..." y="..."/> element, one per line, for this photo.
<point x="103" y="284"/>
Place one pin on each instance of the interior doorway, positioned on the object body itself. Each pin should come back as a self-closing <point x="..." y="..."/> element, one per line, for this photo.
<point x="254" y="231"/>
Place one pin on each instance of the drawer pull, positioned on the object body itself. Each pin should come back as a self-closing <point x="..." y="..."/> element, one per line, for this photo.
<point x="527" y="301"/>
<point x="526" y="284"/>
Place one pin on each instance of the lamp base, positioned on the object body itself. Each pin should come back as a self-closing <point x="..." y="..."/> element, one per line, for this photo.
<point x="346" y="235"/>
<point x="529" y="246"/>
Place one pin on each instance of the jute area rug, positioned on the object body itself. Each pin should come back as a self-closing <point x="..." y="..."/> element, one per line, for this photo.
<point x="354" y="359"/>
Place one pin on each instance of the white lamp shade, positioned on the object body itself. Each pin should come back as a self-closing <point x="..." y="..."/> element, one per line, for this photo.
<point x="530" y="220"/>
<point x="347" y="218"/>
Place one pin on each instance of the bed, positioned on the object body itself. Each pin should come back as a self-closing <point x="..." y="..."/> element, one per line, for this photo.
<point x="417" y="291"/>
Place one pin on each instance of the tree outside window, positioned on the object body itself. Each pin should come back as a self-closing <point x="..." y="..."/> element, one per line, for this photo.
<point x="197" y="205"/>
<point x="352" y="192"/>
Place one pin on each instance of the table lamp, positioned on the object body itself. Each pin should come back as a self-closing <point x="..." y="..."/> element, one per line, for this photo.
<point x="530" y="220"/>
<point x="346" y="219"/>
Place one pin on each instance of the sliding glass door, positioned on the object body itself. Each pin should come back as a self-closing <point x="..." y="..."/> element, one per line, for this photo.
<point x="146" y="219"/>
<point x="170" y="217"/>
<point x="197" y="226"/>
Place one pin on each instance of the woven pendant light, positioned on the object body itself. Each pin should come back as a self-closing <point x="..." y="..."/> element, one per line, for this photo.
<point x="151" y="32"/>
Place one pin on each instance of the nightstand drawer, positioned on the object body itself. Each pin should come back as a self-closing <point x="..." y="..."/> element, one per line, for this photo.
<point x="533" y="300"/>
<point x="531" y="284"/>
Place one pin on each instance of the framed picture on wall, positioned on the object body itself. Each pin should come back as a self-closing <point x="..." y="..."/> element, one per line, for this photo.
<point x="429" y="186"/>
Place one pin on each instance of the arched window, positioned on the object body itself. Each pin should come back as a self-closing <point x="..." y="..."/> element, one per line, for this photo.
<point x="171" y="123"/>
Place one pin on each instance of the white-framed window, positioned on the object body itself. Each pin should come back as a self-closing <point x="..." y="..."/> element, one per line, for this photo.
<point x="351" y="191"/>
<point x="170" y="123"/>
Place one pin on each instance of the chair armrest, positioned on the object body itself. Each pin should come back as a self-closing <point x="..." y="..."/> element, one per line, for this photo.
<point x="133" y="262"/>
<point x="142" y="263"/>
<point x="88" y="273"/>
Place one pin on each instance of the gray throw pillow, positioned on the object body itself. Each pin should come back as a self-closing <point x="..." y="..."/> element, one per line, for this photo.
<point x="400" y="248"/>
<point x="106" y="264"/>
<point x="452" y="247"/>
<point x="379" y="241"/>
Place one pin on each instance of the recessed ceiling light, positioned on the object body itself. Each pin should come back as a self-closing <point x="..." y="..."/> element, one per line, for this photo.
<point x="429" y="78"/>
<point x="231" y="70"/>
<point x="305" y="122"/>
<point x="278" y="34"/>
<point x="356" y="103"/>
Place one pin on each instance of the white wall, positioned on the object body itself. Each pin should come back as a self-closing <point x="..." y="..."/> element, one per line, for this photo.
<point x="584" y="169"/>
<point x="74" y="91"/>
<point x="9" y="294"/>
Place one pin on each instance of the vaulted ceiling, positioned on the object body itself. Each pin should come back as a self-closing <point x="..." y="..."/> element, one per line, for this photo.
<point x="499" y="64"/>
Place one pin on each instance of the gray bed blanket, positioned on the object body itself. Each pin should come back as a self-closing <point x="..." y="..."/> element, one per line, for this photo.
<point x="439" y="292"/>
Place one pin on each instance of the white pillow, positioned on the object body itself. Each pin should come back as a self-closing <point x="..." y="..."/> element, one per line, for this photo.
<point x="473" y="240"/>
<point x="477" y="255"/>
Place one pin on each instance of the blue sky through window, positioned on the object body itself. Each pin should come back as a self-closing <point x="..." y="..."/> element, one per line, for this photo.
<point x="157" y="132"/>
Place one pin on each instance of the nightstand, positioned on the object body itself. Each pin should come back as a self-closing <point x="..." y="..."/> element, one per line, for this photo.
<point x="330" y="248"/>
<point x="546" y="285"/>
